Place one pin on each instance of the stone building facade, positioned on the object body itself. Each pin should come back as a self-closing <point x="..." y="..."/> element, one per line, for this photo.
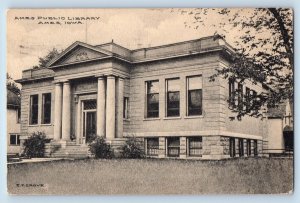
<point x="162" y="95"/>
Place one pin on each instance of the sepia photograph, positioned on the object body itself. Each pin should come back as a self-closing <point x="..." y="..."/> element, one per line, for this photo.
<point x="150" y="101"/>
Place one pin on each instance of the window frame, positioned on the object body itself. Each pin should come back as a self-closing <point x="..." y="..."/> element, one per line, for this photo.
<point x="31" y="108"/>
<point x="17" y="139"/>
<point x="232" y="151"/>
<point x="240" y="96"/>
<point x="167" y="97"/>
<point x="255" y="148"/>
<point x="248" y="147"/>
<point x="231" y="96"/>
<point x="247" y="97"/>
<point x="190" y="148"/>
<point x="154" y="148"/>
<point x="18" y="115"/>
<point x="188" y="114"/>
<point x="43" y="109"/>
<point x="241" y="147"/>
<point x="176" y="147"/>
<point x="126" y="108"/>
<point x="147" y="97"/>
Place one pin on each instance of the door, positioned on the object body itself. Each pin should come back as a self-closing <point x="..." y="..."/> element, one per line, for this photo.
<point x="89" y="125"/>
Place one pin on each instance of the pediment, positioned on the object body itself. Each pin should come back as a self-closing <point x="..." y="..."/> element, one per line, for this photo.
<point x="76" y="54"/>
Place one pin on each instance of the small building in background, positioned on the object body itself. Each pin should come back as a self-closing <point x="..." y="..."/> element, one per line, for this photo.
<point x="281" y="129"/>
<point x="13" y="122"/>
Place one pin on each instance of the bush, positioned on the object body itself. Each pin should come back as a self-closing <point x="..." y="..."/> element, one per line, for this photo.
<point x="91" y="138"/>
<point x="34" y="146"/>
<point x="100" y="149"/>
<point x="132" y="149"/>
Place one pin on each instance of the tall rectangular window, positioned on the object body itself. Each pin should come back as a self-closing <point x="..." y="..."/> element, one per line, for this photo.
<point x="253" y="96"/>
<point x="231" y="93"/>
<point x="194" y="95"/>
<point x="248" y="147"/>
<point x="173" y="146"/>
<point x="255" y="148"/>
<point x="34" y="109"/>
<point x="126" y="107"/>
<point x="232" y="146"/>
<point x="46" y="111"/>
<point x="152" y="94"/>
<point x="240" y="96"/>
<point x="173" y="97"/>
<point x="241" y="147"/>
<point x="247" y="96"/>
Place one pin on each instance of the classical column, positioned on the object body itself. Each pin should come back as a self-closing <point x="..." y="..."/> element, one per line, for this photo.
<point x="110" y="108"/>
<point x="101" y="107"/>
<point x="120" y="100"/>
<point x="66" y="111"/>
<point x="57" y="111"/>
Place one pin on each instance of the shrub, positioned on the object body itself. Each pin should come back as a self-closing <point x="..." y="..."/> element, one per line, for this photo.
<point x="132" y="149"/>
<point x="100" y="149"/>
<point x="34" y="146"/>
<point x="91" y="138"/>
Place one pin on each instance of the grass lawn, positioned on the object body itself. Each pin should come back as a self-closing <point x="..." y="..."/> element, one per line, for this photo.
<point x="153" y="176"/>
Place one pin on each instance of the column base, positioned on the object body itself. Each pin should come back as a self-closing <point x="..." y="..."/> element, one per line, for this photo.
<point x="63" y="143"/>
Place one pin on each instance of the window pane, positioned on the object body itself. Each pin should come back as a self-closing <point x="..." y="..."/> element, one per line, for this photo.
<point x="126" y="108"/>
<point x="232" y="147"/>
<point x="255" y="147"/>
<point x="34" y="109"/>
<point x="13" y="139"/>
<point x="173" y="85"/>
<point x="173" y="147"/>
<point x="240" y="96"/>
<point x="152" y="146"/>
<point x="195" y="146"/>
<point x="152" y="99"/>
<point x="241" y="147"/>
<point x="173" y="97"/>
<point x="195" y="82"/>
<point x="195" y="102"/>
<point x="18" y="139"/>
<point x="47" y="108"/>
<point x="231" y="93"/>
<point x="152" y="87"/>
<point x="90" y="104"/>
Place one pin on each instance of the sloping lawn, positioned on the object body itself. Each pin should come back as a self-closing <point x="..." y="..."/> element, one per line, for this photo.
<point x="152" y="176"/>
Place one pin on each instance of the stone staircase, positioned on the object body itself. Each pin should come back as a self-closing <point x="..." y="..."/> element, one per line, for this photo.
<point x="72" y="150"/>
<point x="68" y="150"/>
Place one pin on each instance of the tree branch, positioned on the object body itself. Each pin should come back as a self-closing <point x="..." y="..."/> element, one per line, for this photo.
<point x="285" y="35"/>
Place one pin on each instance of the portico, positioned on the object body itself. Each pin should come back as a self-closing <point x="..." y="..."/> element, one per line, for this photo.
<point x="107" y="119"/>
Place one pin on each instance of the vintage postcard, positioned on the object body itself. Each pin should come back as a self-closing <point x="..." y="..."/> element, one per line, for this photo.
<point x="150" y="101"/>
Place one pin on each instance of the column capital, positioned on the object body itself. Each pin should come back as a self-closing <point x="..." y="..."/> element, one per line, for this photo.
<point x="111" y="77"/>
<point x="100" y="77"/>
<point x="66" y="82"/>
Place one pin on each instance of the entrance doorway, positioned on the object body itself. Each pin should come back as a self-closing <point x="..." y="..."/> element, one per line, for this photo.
<point x="89" y="120"/>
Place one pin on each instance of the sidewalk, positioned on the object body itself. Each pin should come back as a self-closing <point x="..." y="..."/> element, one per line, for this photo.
<point x="34" y="160"/>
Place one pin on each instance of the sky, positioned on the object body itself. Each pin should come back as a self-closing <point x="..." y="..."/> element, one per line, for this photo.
<point x="28" y="39"/>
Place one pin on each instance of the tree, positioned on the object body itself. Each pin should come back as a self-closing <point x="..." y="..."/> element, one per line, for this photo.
<point x="264" y="50"/>
<point x="44" y="60"/>
<point x="12" y="85"/>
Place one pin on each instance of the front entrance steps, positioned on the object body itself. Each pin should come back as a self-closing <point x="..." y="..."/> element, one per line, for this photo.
<point x="68" y="149"/>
